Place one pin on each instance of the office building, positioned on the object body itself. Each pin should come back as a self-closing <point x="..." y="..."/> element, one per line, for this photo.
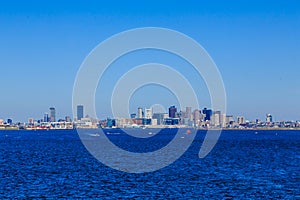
<point x="269" y="118"/>
<point x="52" y="114"/>
<point x="217" y="118"/>
<point x="80" y="113"/>
<point x="159" y="117"/>
<point x="140" y="112"/>
<point x="207" y="114"/>
<point x="241" y="120"/>
<point x="188" y="113"/>
<point x="9" y="121"/>
<point x="197" y="116"/>
<point x="46" y="117"/>
<point x="172" y="112"/>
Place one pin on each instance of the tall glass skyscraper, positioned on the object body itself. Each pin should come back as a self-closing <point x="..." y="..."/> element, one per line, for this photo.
<point x="52" y="114"/>
<point x="46" y="117"/>
<point x="172" y="112"/>
<point x="207" y="113"/>
<point x="79" y="112"/>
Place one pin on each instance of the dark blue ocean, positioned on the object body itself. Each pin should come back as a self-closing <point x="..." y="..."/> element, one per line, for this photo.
<point x="243" y="165"/>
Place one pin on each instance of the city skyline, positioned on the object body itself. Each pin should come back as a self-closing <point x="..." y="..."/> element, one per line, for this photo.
<point x="147" y="113"/>
<point x="255" y="45"/>
<point x="189" y="117"/>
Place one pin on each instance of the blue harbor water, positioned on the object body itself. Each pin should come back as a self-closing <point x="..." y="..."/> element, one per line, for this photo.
<point x="243" y="165"/>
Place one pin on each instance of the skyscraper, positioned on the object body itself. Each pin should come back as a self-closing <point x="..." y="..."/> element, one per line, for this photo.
<point x="207" y="113"/>
<point x="79" y="112"/>
<point x="197" y="117"/>
<point x="216" y="118"/>
<point x="188" y="113"/>
<point x="172" y="112"/>
<point x="140" y="112"/>
<point x="52" y="114"/>
<point x="46" y="117"/>
<point x="269" y="118"/>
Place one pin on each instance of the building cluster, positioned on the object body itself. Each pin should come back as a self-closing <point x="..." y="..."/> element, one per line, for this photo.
<point x="143" y="118"/>
<point x="48" y="121"/>
<point x="199" y="119"/>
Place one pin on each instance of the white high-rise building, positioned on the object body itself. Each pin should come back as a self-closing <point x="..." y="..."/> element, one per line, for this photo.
<point x="140" y="112"/>
<point x="216" y="118"/>
<point x="197" y="117"/>
<point x="188" y="113"/>
<point x="269" y="118"/>
<point x="223" y="120"/>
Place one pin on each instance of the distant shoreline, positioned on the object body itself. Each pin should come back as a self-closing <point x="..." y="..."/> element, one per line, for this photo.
<point x="201" y="129"/>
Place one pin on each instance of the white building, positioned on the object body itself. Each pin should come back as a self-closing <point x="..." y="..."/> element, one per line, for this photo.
<point x="223" y="120"/>
<point x="269" y="118"/>
<point x="241" y="120"/>
<point x="216" y="118"/>
<point x="140" y="113"/>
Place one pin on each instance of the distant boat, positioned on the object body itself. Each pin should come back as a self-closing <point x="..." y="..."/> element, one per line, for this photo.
<point x="95" y="135"/>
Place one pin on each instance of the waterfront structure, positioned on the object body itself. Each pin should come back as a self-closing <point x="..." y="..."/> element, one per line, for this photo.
<point x="172" y="112"/>
<point x="80" y="113"/>
<point x="86" y="123"/>
<point x="154" y="122"/>
<point x="171" y="121"/>
<point x="52" y="114"/>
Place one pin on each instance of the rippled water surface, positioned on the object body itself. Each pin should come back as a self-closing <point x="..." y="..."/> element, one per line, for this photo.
<point x="243" y="165"/>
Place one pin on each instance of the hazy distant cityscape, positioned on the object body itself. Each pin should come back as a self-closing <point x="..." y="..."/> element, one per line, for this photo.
<point x="146" y="118"/>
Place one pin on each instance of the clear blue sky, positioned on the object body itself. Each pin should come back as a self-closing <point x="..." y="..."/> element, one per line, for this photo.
<point x="255" y="44"/>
